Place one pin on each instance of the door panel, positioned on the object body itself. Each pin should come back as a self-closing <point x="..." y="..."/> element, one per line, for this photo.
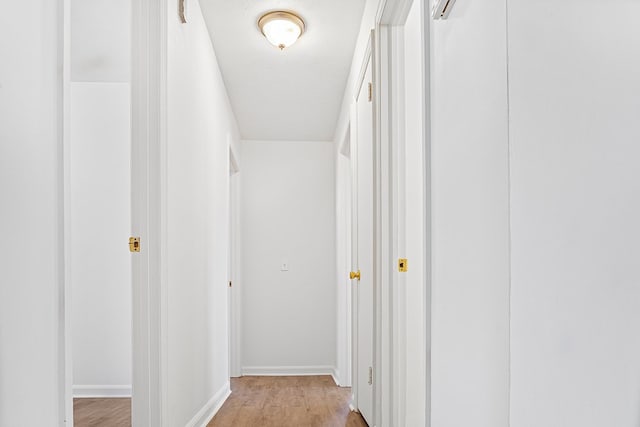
<point x="363" y="246"/>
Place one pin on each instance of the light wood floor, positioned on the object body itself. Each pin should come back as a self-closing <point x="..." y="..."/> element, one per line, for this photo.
<point x="102" y="412"/>
<point x="255" y="402"/>
<point x="287" y="402"/>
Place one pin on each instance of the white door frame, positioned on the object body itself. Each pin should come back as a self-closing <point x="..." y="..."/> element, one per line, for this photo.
<point x="392" y="121"/>
<point x="149" y="189"/>
<point x="66" y="344"/>
<point x="426" y="161"/>
<point x="354" y="294"/>
<point x="388" y="75"/>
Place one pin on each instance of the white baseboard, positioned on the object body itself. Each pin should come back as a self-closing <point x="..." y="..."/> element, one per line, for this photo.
<point x="286" y="371"/>
<point x="352" y="406"/>
<point x="336" y="376"/>
<point x="206" y="414"/>
<point x="101" y="391"/>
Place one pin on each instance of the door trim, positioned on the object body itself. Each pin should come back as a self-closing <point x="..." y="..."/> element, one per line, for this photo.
<point x="148" y="202"/>
<point x="389" y="121"/>
<point x="66" y="355"/>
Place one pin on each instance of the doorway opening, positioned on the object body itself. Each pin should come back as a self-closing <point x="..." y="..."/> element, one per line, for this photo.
<point x="344" y="237"/>
<point x="97" y="259"/>
<point x="98" y="184"/>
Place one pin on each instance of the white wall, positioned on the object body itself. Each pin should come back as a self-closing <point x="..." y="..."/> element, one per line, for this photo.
<point x="99" y="193"/>
<point x="100" y="40"/>
<point x="573" y="132"/>
<point x="288" y="216"/>
<point x="199" y="123"/>
<point x="31" y="250"/>
<point x="574" y="87"/>
<point x="470" y="208"/>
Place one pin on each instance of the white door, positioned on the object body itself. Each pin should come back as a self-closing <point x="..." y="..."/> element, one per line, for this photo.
<point x="363" y="163"/>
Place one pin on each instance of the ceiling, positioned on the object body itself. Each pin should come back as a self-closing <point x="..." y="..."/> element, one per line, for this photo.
<point x="290" y="95"/>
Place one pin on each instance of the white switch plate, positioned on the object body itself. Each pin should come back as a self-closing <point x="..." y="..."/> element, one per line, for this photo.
<point x="284" y="266"/>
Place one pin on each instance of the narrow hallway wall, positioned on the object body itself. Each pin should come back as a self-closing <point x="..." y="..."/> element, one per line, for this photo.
<point x="200" y="124"/>
<point x="561" y="266"/>
<point x="288" y="216"/>
<point x="470" y="208"/>
<point x="574" y="74"/>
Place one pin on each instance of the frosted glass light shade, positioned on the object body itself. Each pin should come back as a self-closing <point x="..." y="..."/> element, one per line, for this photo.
<point x="281" y="28"/>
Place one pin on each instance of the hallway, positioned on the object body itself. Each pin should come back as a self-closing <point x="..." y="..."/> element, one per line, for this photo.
<point x="213" y="210"/>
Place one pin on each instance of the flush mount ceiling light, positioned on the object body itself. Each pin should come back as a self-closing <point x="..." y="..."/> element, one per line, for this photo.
<point x="281" y="28"/>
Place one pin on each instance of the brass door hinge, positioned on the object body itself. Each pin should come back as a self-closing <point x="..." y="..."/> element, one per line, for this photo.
<point x="134" y="244"/>
<point x="354" y="275"/>
<point x="370" y="91"/>
<point x="402" y="265"/>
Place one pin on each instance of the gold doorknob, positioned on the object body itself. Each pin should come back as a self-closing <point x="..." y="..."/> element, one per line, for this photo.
<point x="354" y="275"/>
